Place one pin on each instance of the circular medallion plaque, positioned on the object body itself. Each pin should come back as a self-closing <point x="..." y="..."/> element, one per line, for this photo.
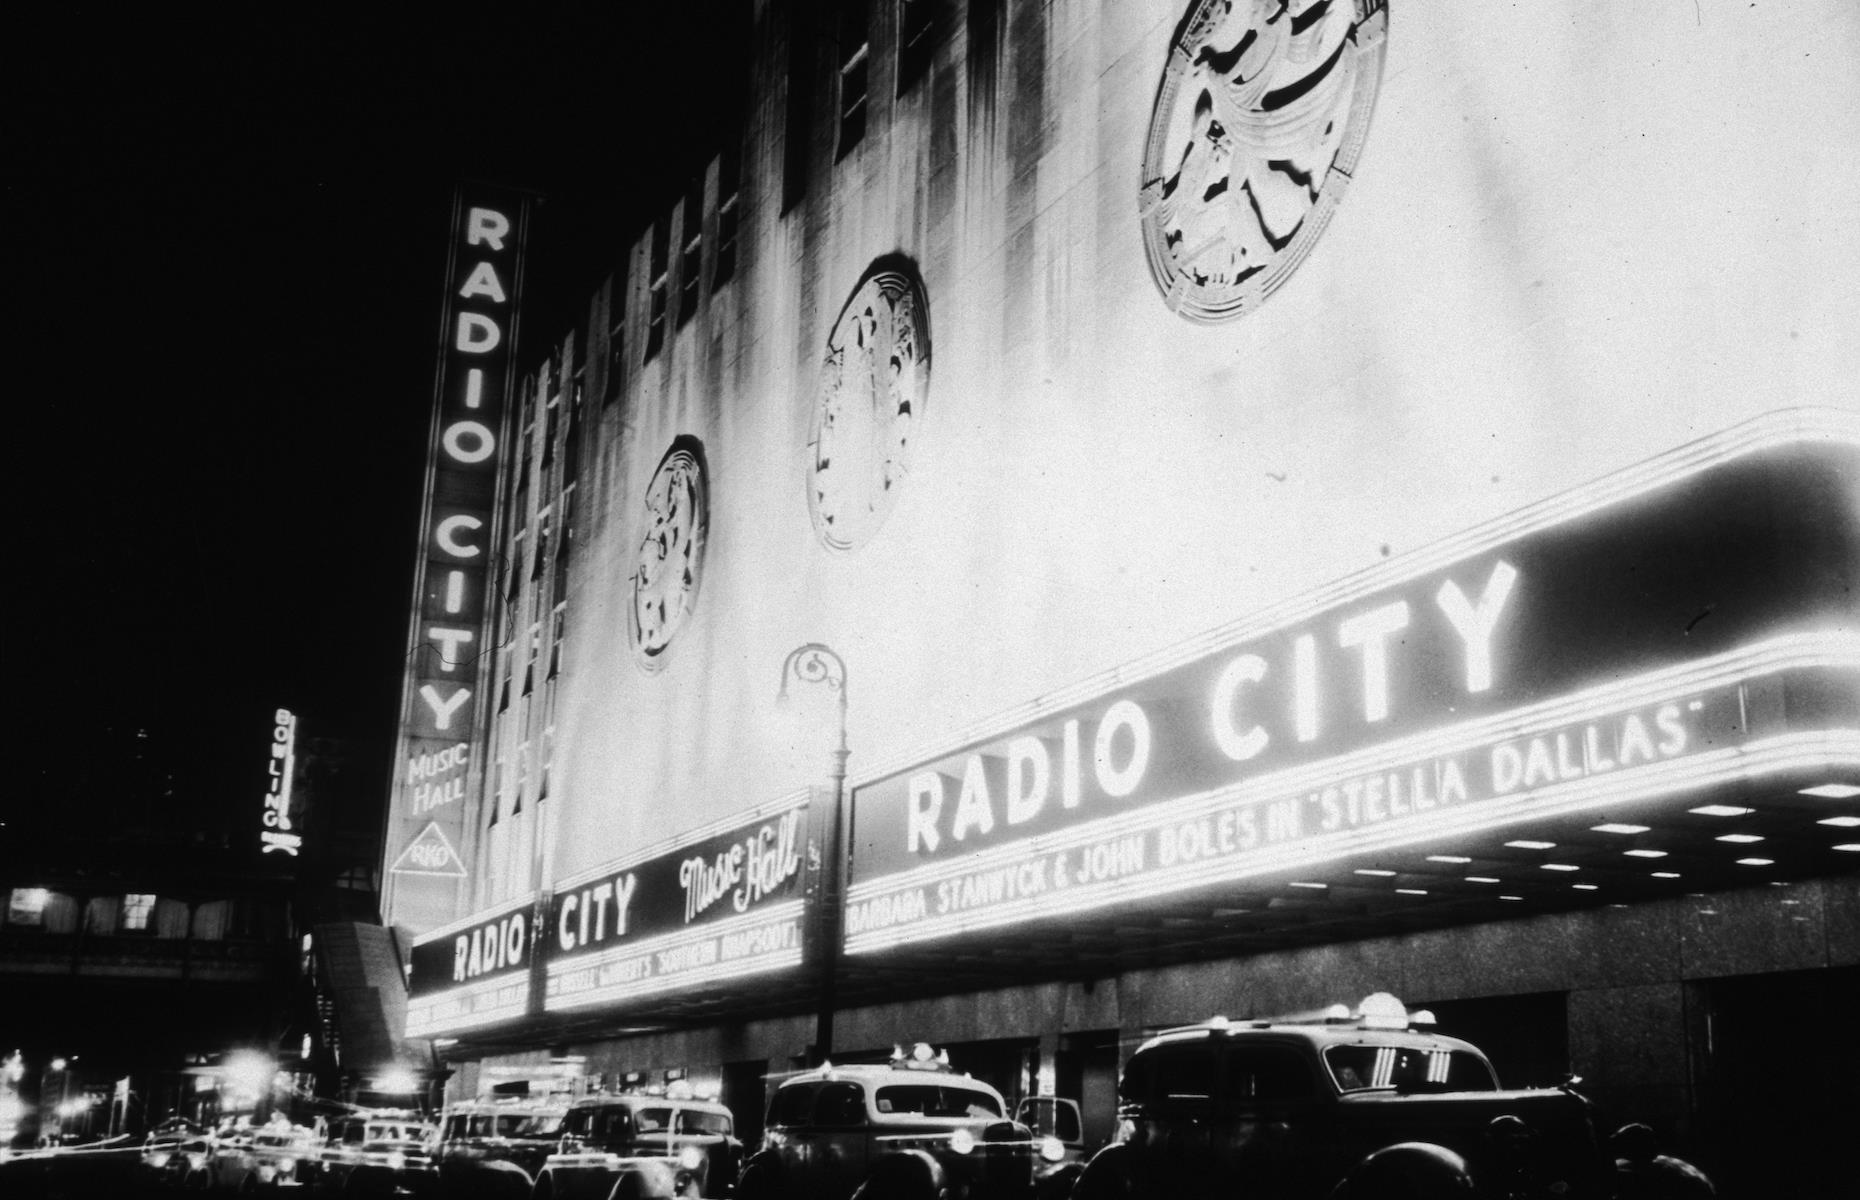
<point x="1258" y="124"/>
<point x="670" y="561"/>
<point x="873" y="383"/>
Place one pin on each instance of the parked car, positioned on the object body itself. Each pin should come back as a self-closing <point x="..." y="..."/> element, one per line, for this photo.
<point x="178" y="1152"/>
<point x="263" y="1156"/>
<point x="376" y="1154"/>
<point x="908" y="1130"/>
<point x="1354" y="1105"/>
<point x="640" y="1144"/>
<point x="496" y="1148"/>
<point x="1059" y="1131"/>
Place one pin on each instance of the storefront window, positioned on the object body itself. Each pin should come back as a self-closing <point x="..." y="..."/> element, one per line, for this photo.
<point x="27" y="907"/>
<point x="136" y="909"/>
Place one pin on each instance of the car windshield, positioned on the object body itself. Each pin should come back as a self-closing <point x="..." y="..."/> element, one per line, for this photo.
<point x="1408" y="1069"/>
<point x="529" y="1124"/>
<point x="937" y="1100"/>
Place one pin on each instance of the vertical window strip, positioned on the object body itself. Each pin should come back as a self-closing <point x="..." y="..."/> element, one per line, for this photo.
<point x="728" y="185"/>
<point x="690" y="265"/>
<point x="855" y="53"/>
<point x="655" y="320"/>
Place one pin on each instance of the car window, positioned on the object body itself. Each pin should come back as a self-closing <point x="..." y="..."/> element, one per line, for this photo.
<point x="840" y="1104"/>
<point x="615" y="1124"/>
<point x="652" y="1120"/>
<point x="352" y="1134"/>
<point x="1267" y="1073"/>
<point x="706" y="1124"/>
<point x="1171" y="1073"/>
<point x="1048" y="1117"/>
<point x="792" y="1105"/>
<point x="1408" y="1068"/>
<point x="936" y="1100"/>
<point x="528" y="1124"/>
<point x="579" y="1123"/>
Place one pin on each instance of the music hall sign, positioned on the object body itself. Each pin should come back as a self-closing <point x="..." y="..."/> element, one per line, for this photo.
<point x="716" y="905"/>
<point x="1683" y="624"/>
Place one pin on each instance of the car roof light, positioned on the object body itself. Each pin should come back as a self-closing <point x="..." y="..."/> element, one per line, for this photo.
<point x="1423" y="1016"/>
<point x="1381" y="1010"/>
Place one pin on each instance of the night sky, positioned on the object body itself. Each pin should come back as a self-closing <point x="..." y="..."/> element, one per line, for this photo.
<point x="226" y="235"/>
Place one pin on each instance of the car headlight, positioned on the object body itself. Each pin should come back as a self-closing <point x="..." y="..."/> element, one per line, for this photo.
<point x="196" y="1161"/>
<point x="1052" y="1149"/>
<point x="396" y="1160"/>
<point x="159" y="1159"/>
<point x="690" y="1158"/>
<point x="287" y="1165"/>
<point x="962" y="1141"/>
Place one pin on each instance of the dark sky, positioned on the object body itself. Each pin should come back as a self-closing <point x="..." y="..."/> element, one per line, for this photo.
<point x="225" y="234"/>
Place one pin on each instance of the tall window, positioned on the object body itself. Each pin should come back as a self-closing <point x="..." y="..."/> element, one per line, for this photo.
<point x="542" y="550"/>
<point x="728" y="183"/>
<point x="690" y="262"/>
<point x="917" y="32"/>
<point x="558" y="628"/>
<point x="529" y="665"/>
<point x="616" y="333"/>
<point x="655" y="320"/>
<point x="137" y="907"/>
<point x="855" y="57"/>
<point x="798" y="145"/>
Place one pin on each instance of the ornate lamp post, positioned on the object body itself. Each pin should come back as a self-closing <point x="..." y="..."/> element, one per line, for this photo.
<point x="811" y="664"/>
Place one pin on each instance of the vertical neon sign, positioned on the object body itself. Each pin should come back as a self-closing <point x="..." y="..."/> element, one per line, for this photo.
<point x="436" y="760"/>
<point x="277" y="836"/>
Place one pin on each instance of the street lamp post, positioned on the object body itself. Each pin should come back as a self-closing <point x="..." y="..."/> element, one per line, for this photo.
<point x="810" y="664"/>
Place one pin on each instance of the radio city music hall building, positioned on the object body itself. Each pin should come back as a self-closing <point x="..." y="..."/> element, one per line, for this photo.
<point x="1089" y="516"/>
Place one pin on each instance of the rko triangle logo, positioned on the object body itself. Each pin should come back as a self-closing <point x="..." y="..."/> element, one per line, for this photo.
<point x="429" y="854"/>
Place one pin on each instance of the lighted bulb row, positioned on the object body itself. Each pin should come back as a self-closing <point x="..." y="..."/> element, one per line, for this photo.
<point x="1836" y="791"/>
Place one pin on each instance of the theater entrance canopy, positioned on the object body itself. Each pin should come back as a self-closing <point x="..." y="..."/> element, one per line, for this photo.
<point x="1644" y="688"/>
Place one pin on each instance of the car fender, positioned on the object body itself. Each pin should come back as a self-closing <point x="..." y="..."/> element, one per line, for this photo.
<point x="903" y="1175"/>
<point x="1106" y="1176"/>
<point x="1416" y="1170"/>
<point x="760" y="1177"/>
<point x="646" y="1179"/>
<point x="486" y="1179"/>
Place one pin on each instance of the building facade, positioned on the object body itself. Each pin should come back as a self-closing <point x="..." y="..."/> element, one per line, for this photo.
<point x="1262" y="503"/>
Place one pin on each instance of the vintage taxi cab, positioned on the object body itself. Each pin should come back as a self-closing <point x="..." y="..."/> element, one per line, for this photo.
<point x="908" y="1129"/>
<point x="262" y="1156"/>
<point x="379" y="1153"/>
<point x="178" y="1152"/>
<point x="642" y="1144"/>
<point x="1348" y="1104"/>
<point x="495" y="1147"/>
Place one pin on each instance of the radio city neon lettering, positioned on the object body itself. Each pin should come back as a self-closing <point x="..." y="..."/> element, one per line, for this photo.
<point x="437" y="778"/>
<point x="1260" y="831"/>
<point x="591" y="915"/>
<point x="747" y="871"/>
<point x="465" y="440"/>
<point x="1113" y="757"/>
<point x="494" y="946"/>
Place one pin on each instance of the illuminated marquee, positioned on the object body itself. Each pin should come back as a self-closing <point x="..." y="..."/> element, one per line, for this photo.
<point x="719" y="904"/>
<point x="473" y="973"/>
<point x="1685" y="623"/>
<point x="277" y="836"/>
<point x="434" y="765"/>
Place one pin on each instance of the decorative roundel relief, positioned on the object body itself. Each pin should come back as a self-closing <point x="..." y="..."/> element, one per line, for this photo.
<point x="873" y="383"/>
<point x="1258" y="124"/>
<point x="670" y="561"/>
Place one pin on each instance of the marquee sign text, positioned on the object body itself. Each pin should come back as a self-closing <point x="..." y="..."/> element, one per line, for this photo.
<point x="1635" y="639"/>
